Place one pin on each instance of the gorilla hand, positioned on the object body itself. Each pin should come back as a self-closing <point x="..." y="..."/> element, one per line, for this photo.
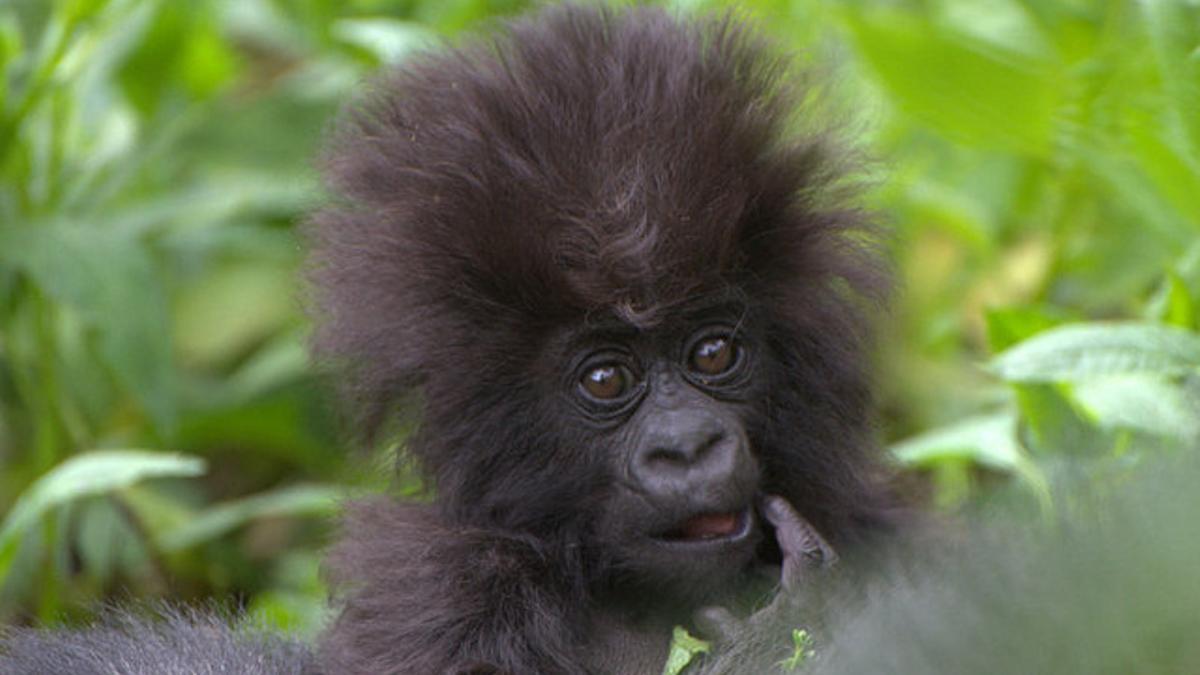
<point x="738" y="643"/>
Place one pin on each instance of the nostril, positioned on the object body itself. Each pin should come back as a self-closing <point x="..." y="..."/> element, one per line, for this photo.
<point x="663" y="455"/>
<point x="686" y="451"/>
<point x="714" y="439"/>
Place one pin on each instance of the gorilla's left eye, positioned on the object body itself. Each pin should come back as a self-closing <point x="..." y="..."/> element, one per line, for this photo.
<point x="713" y="355"/>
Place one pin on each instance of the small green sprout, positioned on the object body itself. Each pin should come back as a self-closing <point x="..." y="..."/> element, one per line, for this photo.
<point x="802" y="650"/>
<point x="684" y="649"/>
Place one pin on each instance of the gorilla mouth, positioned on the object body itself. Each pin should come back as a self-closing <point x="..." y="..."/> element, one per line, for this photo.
<point x="711" y="527"/>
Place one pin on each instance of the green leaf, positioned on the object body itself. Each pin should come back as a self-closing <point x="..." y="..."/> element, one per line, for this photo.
<point x="958" y="85"/>
<point x="1173" y="303"/>
<point x="85" y="475"/>
<point x="1145" y="403"/>
<point x="110" y="279"/>
<point x="1009" y="326"/>
<point x="388" y="40"/>
<point x="1054" y="423"/>
<point x="1081" y="351"/>
<point x="1174" y="29"/>
<point x="684" y="649"/>
<point x="294" y="500"/>
<point x="106" y="542"/>
<point x="988" y="440"/>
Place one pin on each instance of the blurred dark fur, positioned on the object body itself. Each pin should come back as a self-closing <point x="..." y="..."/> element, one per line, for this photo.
<point x="166" y="641"/>
<point x="581" y="163"/>
<point x="1109" y="585"/>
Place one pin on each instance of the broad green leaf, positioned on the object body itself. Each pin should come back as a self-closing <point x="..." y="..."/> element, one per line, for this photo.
<point x="89" y="474"/>
<point x="1006" y="24"/>
<point x="1145" y="403"/>
<point x="296" y="500"/>
<point x="1081" y="351"/>
<point x="960" y="86"/>
<point x="684" y="649"/>
<point x="388" y="40"/>
<point x="1053" y="422"/>
<point x="988" y="440"/>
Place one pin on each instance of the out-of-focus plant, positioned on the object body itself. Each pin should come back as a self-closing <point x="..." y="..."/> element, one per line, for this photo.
<point x="154" y="157"/>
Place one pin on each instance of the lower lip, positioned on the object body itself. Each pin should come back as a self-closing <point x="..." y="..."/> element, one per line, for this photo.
<point x="745" y="522"/>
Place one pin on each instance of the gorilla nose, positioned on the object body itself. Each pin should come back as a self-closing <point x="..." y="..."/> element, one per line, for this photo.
<point x="685" y="450"/>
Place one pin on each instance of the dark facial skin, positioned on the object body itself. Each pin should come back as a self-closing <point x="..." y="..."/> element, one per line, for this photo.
<point x="670" y="406"/>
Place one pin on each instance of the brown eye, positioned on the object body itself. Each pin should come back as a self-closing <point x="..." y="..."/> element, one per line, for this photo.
<point x="606" y="382"/>
<point x="713" y="355"/>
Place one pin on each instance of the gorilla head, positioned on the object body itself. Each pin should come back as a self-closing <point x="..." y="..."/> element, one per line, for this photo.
<point x="628" y="298"/>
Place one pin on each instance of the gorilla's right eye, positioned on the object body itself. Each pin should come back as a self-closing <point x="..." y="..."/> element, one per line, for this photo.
<point x="607" y="382"/>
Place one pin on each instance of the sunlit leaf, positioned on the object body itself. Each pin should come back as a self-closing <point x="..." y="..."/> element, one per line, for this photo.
<point x="988" y="440"/>
<point x="85" y="475"/>
<point x="1081" y="351"/>
<point x="1145" y="403"/>
<point x="389" y="40"/>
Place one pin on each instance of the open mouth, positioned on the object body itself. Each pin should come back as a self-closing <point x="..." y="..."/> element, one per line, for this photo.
<point x="711" y="527"/>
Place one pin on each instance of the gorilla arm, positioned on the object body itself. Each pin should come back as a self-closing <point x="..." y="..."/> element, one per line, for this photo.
<point x="420" y="596"/>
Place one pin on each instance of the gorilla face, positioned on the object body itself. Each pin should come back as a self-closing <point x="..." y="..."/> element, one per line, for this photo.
<point x="671" y="409"/>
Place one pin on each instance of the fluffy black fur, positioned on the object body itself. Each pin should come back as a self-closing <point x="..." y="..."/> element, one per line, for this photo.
<point x="586" y="168"/>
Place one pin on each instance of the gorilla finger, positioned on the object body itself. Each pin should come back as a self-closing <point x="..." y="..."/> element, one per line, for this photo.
<point x="799" y="542"/>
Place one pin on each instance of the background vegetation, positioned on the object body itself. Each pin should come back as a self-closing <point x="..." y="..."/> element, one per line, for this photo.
<point x="162" y="434"/>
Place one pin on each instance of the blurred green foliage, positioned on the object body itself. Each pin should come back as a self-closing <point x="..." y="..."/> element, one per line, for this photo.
<point x="162" y="433"/>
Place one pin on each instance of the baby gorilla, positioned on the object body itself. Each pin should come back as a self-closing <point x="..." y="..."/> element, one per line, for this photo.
<point x="630" y="305"/>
